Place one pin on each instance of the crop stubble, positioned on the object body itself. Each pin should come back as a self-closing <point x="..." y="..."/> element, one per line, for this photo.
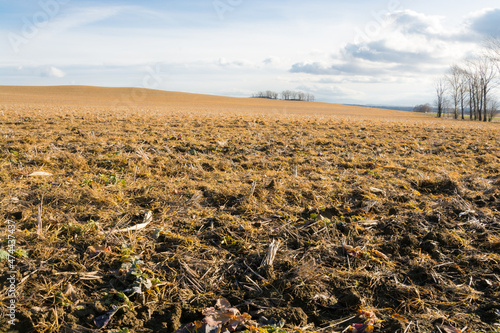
<point x="373" y="210"/>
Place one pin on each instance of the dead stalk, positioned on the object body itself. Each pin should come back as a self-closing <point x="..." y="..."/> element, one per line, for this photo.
<point x="271" y="253"/>
<point x="252" y="189"/>
<point x="39" y="227"/>
<point x="254" y="272"/>
<point x="408" y="327"/>
<point x="337" y="323"/>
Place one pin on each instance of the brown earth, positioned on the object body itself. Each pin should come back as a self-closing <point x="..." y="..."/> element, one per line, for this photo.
<point x="374" y="210"/>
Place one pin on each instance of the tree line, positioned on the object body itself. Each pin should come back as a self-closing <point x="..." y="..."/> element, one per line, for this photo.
<point x="286" y="95"/>
<point x="466" y="90"/>
<point x="423" y="108"/>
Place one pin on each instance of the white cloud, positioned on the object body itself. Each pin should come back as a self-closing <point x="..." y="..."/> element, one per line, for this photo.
<point x="259" y="45"/>
<point x="53" y="72"/>
<point x="271" y="61"/>
<point x="82" y="16"/>
<point x="408" y="44"/>
<point x="408" y="51"/>
<point x="337" y="91"/>
<point x="411" y="22"/>
<point x="486" y="22"/>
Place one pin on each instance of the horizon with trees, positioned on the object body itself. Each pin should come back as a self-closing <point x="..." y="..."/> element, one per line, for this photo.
<point x="286" y="95"/>
<point x="466" y="90"/>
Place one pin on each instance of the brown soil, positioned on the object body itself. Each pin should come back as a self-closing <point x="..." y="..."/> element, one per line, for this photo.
<point x="373" y="210"/>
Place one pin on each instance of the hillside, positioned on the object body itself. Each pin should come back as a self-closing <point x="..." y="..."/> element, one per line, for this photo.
<point x="128" y="99"/>
<point x="140" y="217"/>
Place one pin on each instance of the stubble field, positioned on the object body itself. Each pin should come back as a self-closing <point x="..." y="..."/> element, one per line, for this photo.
<point x="324" y="216"/>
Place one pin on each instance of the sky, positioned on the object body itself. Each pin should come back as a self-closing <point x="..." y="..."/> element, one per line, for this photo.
<point x="377" y="52"/>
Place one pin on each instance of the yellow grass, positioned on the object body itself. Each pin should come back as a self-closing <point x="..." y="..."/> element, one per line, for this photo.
<point x="416" y="197"/>
<point x="165" y="101"/>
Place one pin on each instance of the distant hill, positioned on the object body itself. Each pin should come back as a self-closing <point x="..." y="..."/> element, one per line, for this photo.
<point x="398" y="108"/>
<point x="131" y="99"/>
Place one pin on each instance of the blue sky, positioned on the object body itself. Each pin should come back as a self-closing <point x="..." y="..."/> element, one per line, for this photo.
<point x="368" y="52"/>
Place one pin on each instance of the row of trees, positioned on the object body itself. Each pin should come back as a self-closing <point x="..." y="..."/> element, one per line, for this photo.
<point x="423" y="108"/>
<point x="286" y="95"/>
<point x="467" y="88"/>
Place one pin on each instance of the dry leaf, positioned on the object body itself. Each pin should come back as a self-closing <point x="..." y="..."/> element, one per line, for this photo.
<point x="222" y="303"/>
<point x="353" y="252"/>
<point x="95" y="250"/>
<point x="380" y="255"/>
<point x="223" y="319"/>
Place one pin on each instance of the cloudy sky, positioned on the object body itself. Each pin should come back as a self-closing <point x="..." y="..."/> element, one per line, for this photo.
<point x="367" y="52"/>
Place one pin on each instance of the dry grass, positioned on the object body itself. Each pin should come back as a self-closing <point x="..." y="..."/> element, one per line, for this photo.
<point x="417" y="199"/>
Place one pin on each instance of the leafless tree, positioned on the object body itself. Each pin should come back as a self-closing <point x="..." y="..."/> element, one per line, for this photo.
<point x="271" y="94"/>
<point x="481" y="73"/>
<point x="441" y="98"/>
<point x="286" y="95"/>
<point x="458" y="87"/>
<point x="423" y="108"/>
<point x="493" y="108"/>
<point x="492" y="45"/>
<point x="463" y="91"/>
<point x="471" y="83"/>
<point x="487" y="75"/>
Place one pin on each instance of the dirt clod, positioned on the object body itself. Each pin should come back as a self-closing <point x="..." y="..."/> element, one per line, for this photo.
<point x="294" y="316"/>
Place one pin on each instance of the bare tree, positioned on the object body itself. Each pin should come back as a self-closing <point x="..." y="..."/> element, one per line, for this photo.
<point x="462" y="91"/>
<point x="271" y="94"/>
<point x="455" y="83"/>
<point x="493" y="108"/>
<point x="441" y="98"/>
<point x="471" y="83"/>
<point x="286" y="95"/>
<point x="423" y="108"/>
<point x="458" y="86"/>
<point x="492" y="45"/>
<point x="487" y="74"/>
<point x="482" y="73"/>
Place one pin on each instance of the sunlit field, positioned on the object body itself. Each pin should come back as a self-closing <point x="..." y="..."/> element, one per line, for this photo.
<point x="139" y="209"/>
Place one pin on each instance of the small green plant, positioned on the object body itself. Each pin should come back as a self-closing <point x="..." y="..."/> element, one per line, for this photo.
<point x="87" y="182"/>
<point x="91" y="225"/>
<point x="123" y="330"/>
<point x="71" y="229"/>
<point x="105" y="180"/>
<point x="126" y="252"/>
<point x="374" y="174"/>
<point x="4" y="255"/>
<point x="229" y="241"/>
<point x="131" y="267"/>
<point x="62" y="300"/>
<point x="20" y="253"/>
